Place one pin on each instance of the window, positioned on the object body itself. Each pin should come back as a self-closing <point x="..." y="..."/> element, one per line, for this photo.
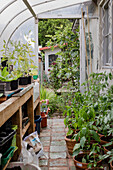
<point x="106" y="32"/>
<point x="52" y="58"/>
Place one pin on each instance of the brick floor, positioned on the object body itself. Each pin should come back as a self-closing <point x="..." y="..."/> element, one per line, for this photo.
<point x="54" y="146"/>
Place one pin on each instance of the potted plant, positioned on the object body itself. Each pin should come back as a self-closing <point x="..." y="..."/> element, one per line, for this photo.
<point x="11" y="80"/>
<point x="71" y="121"/>
<point x="20" y="56"/>
<point x="89" y="159"/>
<point x="109" y="155"/>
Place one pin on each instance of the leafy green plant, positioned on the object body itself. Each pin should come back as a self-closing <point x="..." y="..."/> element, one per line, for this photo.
<point x="66" y="67"/>
<point x="20" y="56"/>
<point x="48" y="94"/>
<point x="5" y="76"/>
<point x="109" y="154"/>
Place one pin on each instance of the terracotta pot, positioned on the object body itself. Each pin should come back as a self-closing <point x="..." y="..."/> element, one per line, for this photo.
<point x="111" y="165"/>
<point x="42" y="114"/>
<point x="104" y="140"/>
<point x="3" y="99"/>
<point x="44" y="121"/>
<point x="70" y="144"/>
<point x="81" y="165"/>
<point x="108" y="148"/>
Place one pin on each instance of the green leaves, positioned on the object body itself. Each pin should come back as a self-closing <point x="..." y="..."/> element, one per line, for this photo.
<point x="82" y="141"/>
<point x="77" y="146"/>
<point x="95" y="135"/>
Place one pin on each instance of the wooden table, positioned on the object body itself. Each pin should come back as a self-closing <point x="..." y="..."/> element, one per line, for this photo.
<point x="12" y="108"/>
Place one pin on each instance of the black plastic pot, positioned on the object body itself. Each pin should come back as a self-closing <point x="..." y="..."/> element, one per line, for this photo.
<point x="23" y="80"/>
<point x="8" y="86"/>
<point x="29" y="79"/>
<point x="2" y="88"/>
<point x="14" y="84"/>
<point x="6" y="137"/>
<point x="38" y="119"/>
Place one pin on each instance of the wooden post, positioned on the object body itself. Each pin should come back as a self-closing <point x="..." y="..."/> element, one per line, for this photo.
<point x="85" y="42"/>
<point x="17" y="120"/>
<point x="30" y="112"/>
<point x="89" y="39"/>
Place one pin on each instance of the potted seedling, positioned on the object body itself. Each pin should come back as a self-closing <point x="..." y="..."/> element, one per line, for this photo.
<point x="21" y="58"/>
<point x="109" y="155"/>
<point x="87" y="152"/>
<point x="71" y="121"/>
<point x="90" y="157"/>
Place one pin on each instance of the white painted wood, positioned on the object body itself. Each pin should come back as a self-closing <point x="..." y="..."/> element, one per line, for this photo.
<point x="36" y="45"/>
<point x="82" y="58"/>
<point x="46" y="16"/>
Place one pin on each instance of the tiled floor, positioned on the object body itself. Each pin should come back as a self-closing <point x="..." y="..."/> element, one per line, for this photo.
<point x="54" y="146"/>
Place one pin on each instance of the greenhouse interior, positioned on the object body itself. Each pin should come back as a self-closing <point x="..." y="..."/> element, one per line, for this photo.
<point x="56" y="85"/>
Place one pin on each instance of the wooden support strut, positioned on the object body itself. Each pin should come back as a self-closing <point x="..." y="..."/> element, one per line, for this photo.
<point x="89" y="39"/>
<point x="85" y="42"/>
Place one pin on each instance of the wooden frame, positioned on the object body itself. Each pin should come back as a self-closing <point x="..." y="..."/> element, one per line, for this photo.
<point x="12" y="108"/>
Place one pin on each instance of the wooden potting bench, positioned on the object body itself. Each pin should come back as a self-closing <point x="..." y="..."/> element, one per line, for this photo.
<point x="12" y="108"/>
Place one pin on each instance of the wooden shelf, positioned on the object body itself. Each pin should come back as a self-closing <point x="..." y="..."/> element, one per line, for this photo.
<point x="25" y="129"/>
<point x="12" y="108"/>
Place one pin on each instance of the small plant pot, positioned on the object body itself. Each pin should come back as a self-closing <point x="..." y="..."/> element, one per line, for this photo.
<point x="2" y="88"/>
<point x="111" y="165"/>
<point x="35" y="77"/>
<point x="78" y="162"/>
<point x="8" y="86"/>
<point x="44" y="121"/>
<point x="42" y="114"/>
<point x="70" y="143"/>
<point x="23" y="80"/>
<point x="29" y="79"/>
<point x="14" y="84"/>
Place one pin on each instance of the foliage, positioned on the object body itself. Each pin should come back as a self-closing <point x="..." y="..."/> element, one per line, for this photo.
<point x="49" y="27"/>
<point x="91" y="157"/>
<point x="48" y="94"/>
<point x="20" y="56"/>
<point x="66" y="67"/>
<point x="109" y="154"/>
<point x="91" y="113"/>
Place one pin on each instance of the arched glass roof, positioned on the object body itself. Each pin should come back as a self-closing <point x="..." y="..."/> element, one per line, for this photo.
<point x="14" y="13"/>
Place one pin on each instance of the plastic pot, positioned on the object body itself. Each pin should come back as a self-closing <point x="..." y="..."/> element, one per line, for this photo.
<point x="29" y="79"/>
<point x="14" y="84"/>
<point x="23" y="80"/>
<point x="8" y="86"/>
<point x="35" y="77"/>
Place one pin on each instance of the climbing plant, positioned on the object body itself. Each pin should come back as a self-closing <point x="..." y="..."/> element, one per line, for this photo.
<point x="49" y="27"/>
<point x="66" y="67"/>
